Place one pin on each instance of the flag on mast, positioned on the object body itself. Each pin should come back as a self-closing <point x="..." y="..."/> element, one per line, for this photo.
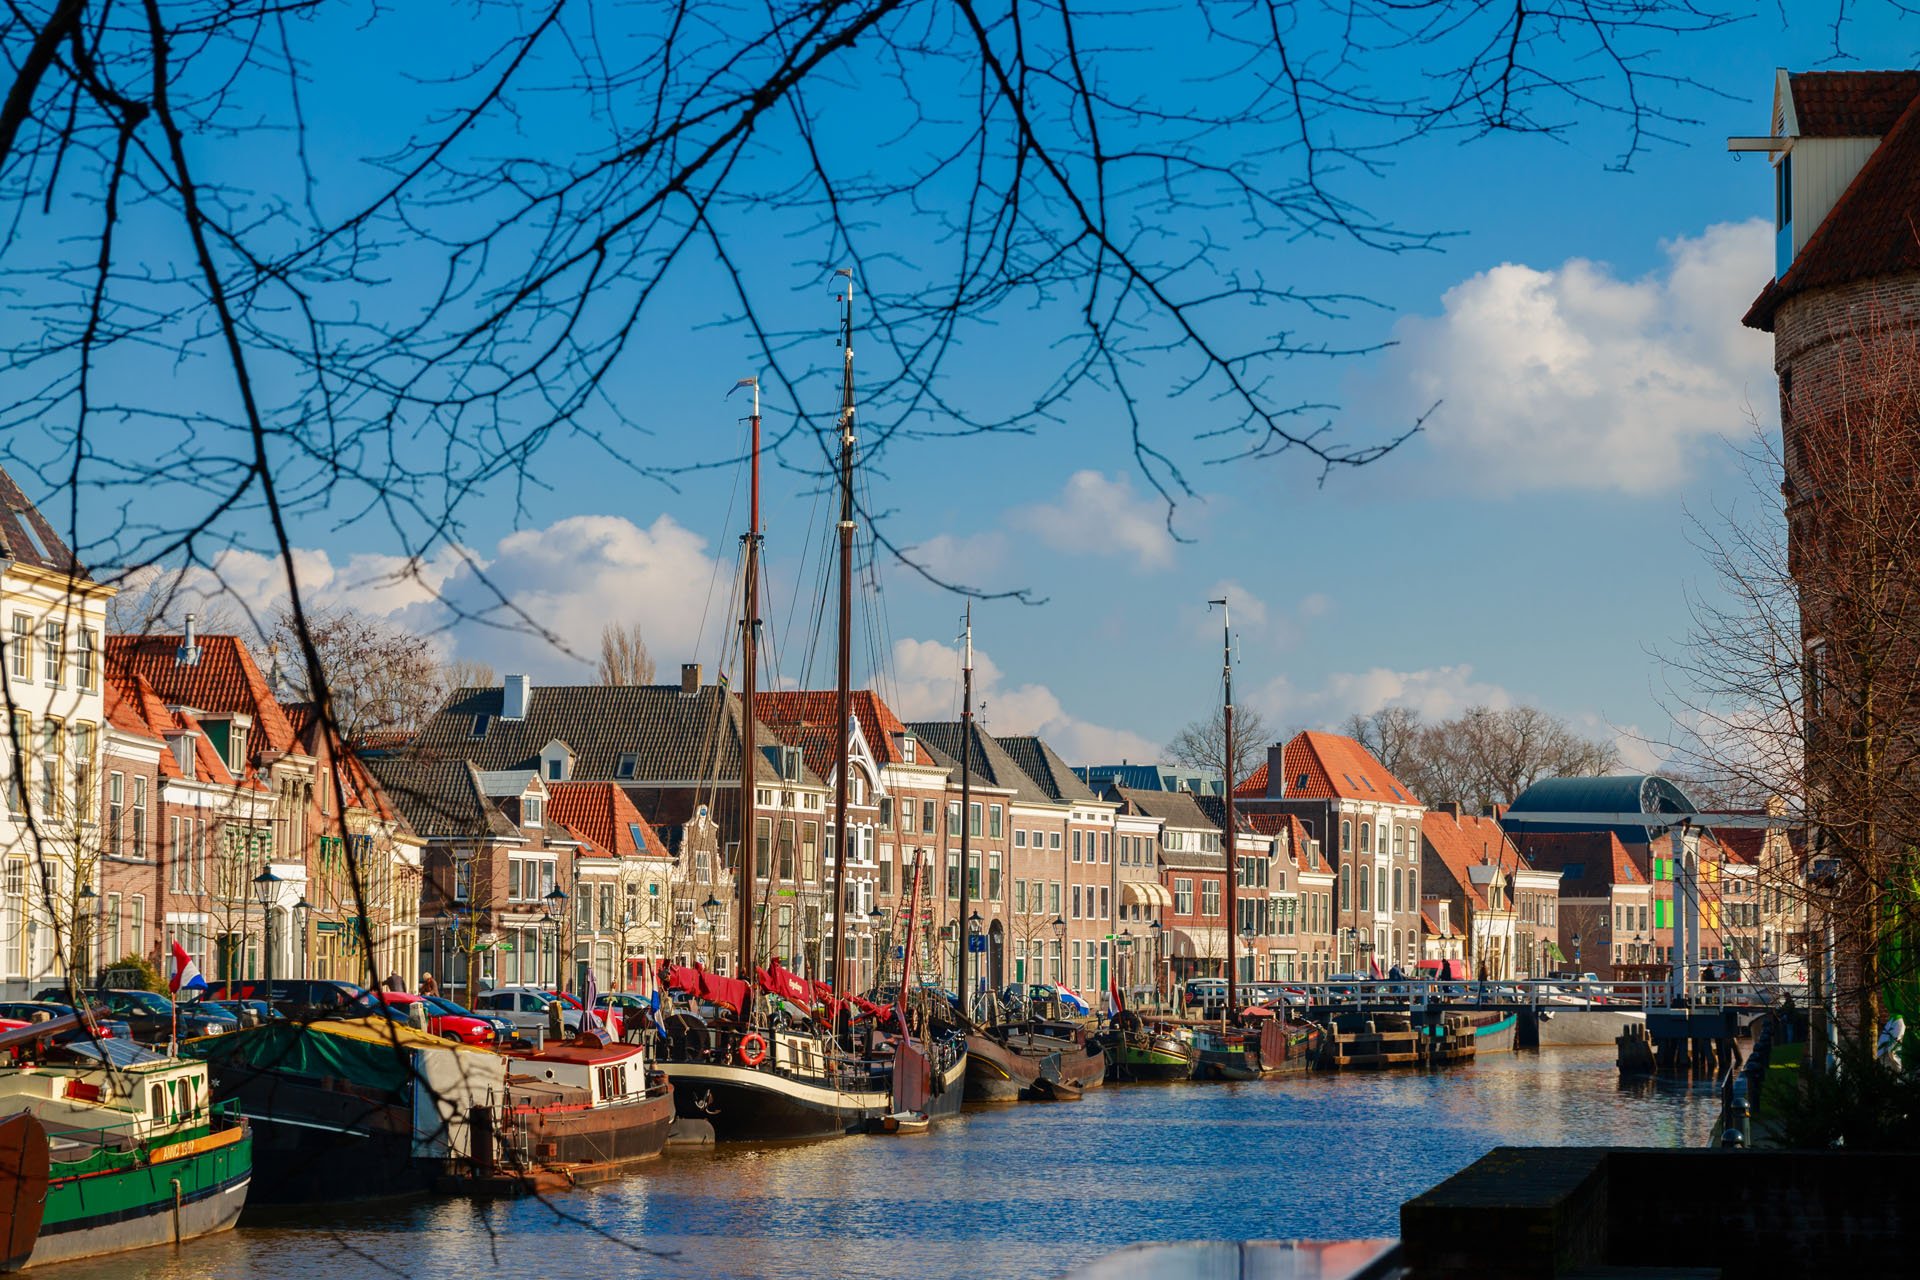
<point x="186" y="974"/>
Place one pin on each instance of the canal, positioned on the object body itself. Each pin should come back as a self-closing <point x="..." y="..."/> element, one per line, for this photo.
<point x="1013" y="1192"/>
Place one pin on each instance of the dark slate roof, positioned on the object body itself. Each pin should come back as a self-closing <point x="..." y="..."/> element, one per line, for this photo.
<point x="989" y="761"/>
<point x="1870" y="229"/>
<point x="1174" y="808"/>
<point x="1193" y="860"/>
<point x="29" y="538"/>
<point x="1151" y="777"/>
<point x="675" y="737"/>
<point x="1041" y="763"/>
<point x="1619" y="794"/>
<point x="441" y="798"/>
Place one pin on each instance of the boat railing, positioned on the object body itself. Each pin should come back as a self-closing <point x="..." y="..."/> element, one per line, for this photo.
<point x="1549" y="993"/>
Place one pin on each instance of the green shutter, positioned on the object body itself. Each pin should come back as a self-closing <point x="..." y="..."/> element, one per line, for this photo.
<point x="1660" y="906"/>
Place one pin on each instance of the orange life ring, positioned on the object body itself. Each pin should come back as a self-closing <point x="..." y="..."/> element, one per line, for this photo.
<point x="753" y="1048"/>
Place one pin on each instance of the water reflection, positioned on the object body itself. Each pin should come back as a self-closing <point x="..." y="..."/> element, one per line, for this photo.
<point x="1024" y="1191"/>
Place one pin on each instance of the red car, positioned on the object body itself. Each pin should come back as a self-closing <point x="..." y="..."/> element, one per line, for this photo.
<point x="448" y="1026"/>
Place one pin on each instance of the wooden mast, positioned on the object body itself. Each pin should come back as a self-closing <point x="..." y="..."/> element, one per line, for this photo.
<point x="1226" y="770"/>
<point x="749" y="637"/>
<point x="843" y="684"/>
<point x="966" y="819"/>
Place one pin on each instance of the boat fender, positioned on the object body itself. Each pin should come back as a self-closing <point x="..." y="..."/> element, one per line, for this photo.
<point x="753" y="1048"/>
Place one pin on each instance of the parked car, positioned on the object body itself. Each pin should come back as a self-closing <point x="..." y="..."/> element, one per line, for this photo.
<point x="24" y="1011"/>
<point x="526" y="1008"/>
<point x="504" y="1032"/>
<point x="155" y="1019"/>
<point x="610" y="1016"/>
<point x="303" y="999"/>
<point x="245" y="1011"/>
<point x="463" y="1027"/>
<point x="633" y="1012"/>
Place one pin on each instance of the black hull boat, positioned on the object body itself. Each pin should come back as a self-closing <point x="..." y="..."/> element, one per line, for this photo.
<point x="754" y="1104"/>
<point x="391" y="1104"/>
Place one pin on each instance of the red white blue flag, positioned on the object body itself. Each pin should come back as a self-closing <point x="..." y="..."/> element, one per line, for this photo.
<point x="186" y="974"/>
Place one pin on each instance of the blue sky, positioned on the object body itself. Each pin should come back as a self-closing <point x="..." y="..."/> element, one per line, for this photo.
<point x="1580" y="331"/>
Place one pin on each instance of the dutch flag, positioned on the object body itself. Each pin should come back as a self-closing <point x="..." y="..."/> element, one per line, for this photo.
<point x="186" y="974"/>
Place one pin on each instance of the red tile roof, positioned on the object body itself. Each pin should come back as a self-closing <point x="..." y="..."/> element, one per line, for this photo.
<point x="818" y="709"/>
<point x="1851" y="104"/>
<point x="601" y="814"/>
<point x="134" y="708"/>
<point x="224" y="681"/>
<point x="1431" y="927"/>
<point x="1327" y="766"/>
<point x="1599" y="856"/>
<point x="1464" y="843"/>
<point x="1873" y="229"/>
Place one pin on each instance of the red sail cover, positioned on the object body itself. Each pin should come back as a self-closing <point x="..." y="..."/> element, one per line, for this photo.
<point x="786" y="985"/>
<point x="730" y="994"/>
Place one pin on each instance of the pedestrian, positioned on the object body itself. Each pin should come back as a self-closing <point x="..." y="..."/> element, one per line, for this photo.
<point x="395" y="983"/>
<point x="428" y="987"/>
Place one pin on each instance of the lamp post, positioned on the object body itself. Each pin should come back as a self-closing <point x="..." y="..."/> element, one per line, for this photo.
<point x="553" y="904"/>
<point x="976" y="932"/>
<point x="875" y="919"/>
<point x="1159" y="945"/>
<point x="1576" y="955"/>
<point x="1123" y="961"/>
<point x="302" y="910"/>
<point x="83" y="954"/>
<point x="1059" y="927"/>
<point x="711" y="909"/>
<point x="266" y="888"/>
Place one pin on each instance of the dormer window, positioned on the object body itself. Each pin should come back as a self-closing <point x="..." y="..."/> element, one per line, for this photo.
<point x="237" y="750"/>
<point x="626" y="766"/>
<point x="906" y="749"/>
<point x="531" y="808"/>
<point x="557" y="769"/>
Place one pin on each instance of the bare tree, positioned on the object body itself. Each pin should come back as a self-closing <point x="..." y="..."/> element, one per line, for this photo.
<point x="1203" y="743"/>
<point x="381" y="677"/>
<point x="468" y="673"/>
<point x="154" y="601"/>
<point x="1483" y="756"/>
<point x="1800" y="678"/>
<point x="623" y="656"/>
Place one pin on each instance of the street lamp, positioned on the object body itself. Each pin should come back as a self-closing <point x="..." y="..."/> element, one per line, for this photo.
<point x="266" y="888"/>
<point x="882" y="940"/>
<point x="554" y="903"/>
<point x="302" y="910"/>
<point x="976" y="929"/>
<point x="711" y="909"/>
<point x="1060" y="940"/>
<point x="1576" y="955"/>
<point x="1159" y="942"/>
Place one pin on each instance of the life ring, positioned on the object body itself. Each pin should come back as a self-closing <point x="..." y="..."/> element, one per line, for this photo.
<point x="753" y="1048"/>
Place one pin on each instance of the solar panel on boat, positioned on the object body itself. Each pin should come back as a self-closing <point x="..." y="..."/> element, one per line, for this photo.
<point x="116" y="1052"/>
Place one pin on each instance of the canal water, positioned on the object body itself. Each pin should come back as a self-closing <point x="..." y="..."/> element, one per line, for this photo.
<point x="1006" y="1192"/>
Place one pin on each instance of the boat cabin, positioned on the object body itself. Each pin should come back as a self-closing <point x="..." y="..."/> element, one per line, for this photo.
<point x="115" y="1085"/>
<point x="606" y="1074"/>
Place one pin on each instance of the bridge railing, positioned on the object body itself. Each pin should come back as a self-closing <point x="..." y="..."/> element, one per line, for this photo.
<point x="1546" y="993"/>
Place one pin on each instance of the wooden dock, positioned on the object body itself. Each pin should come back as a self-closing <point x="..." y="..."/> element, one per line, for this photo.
<point x="1380" y="1042"/>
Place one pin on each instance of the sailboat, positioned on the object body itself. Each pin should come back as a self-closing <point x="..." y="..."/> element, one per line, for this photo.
<point x="769" y="1070"/>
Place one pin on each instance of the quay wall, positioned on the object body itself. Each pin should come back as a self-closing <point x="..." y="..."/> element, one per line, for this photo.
<point x="1522" y="1213"/>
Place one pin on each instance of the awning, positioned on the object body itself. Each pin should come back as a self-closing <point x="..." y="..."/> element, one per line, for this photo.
<point x="1151" y="892"/>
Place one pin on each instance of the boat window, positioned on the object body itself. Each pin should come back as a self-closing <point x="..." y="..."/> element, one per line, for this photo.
<point x="159" y="1102"/>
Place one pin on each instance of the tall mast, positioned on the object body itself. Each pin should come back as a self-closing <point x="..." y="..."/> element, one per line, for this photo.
<point x="966" y="816"/>
<point x="843" y="686"/>
<point x="1226" y="770"/>
<point x="749" y="637"/>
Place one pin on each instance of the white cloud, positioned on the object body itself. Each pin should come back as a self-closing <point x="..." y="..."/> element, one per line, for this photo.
<point x="561" y="584"/>
<point x="1435" y="692"/>
<point x="1572" y="378"/>
<point x="1100" y="515"/>
<point x="964" y="561"/>
<point x="927" y="687"/>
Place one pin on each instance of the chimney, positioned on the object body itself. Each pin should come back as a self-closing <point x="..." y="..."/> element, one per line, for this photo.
<point x="1449" y="807"/>
<point x="515" y="692"/>
<point x="689" y="678"/>
<point x="188" y="654"/>
<point x="1277" y="769"/>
